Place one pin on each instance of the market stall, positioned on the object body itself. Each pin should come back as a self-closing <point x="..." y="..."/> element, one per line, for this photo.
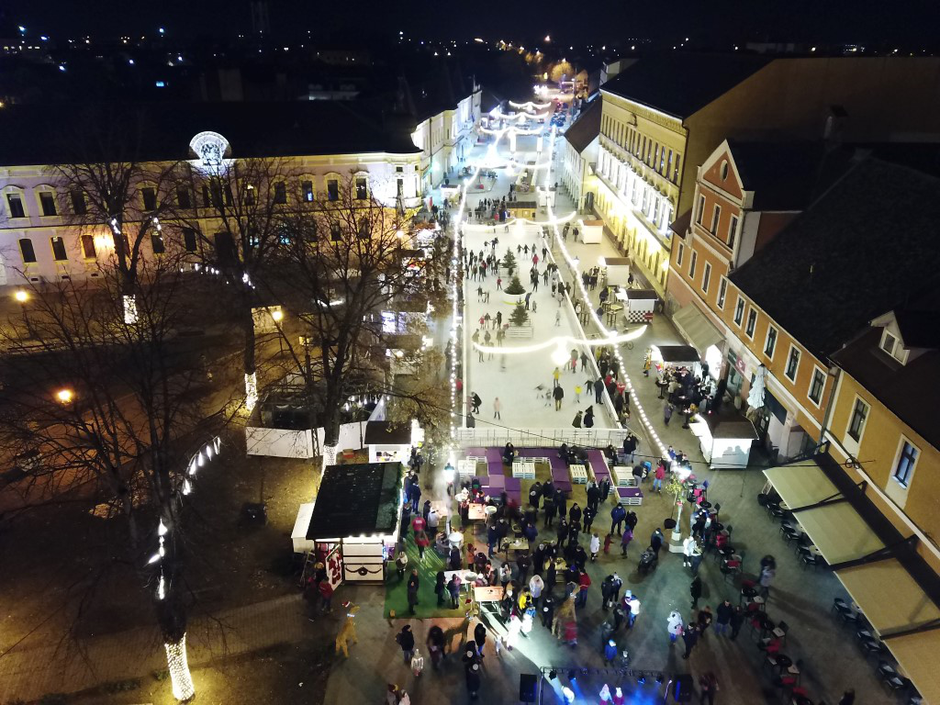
<point x="388" y="443"/>
<point x="592" y="231"/>
<point x="639" y="304"/>
<point x="725" y="440"/>
<point x="617" y="270"/>
<point x="676" y="356"/>
<point x="356" y="516"/>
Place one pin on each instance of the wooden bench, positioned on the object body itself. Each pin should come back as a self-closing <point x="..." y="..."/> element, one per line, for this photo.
<point x="578" y="474"/>
<point x="524" y="469"/>
<point x="624" y="476"/>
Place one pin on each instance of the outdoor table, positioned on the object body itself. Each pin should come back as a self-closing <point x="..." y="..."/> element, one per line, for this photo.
<point x="578" y="474"/>
<point x="784" y="662"/>
<point x="466" y="577"/>
<point x="705" y="505"/>
<point x="455" y="539"/>
<point x="487" y="594"/>
<point x="517" y="545"/>
<point x="476" y="511"/>
<point x="747" y="593"/>
<point x="799" y="699"/>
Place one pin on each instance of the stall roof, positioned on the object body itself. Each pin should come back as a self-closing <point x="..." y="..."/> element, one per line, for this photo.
<point x="678" y="354"/>
<point x="642" y="294"/>
<point x="695" y="326"/>
<point x="730" y="427"/>
<point x="616" y="261"/>
<point x="355" y="500"/>
<point x="888" y="596"/>
<point x="839" y="532"/>
<point x="801" y="485"/>
<point x="917" y="654"/>
<point x="382" y="433"/>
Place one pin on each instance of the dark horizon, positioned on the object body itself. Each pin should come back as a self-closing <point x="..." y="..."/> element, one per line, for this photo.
<point x="706" y="24"/>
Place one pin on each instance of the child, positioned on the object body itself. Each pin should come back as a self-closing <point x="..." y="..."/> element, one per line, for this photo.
<point x="607" y="541"/>
<point x="595" y="546"/>
<point x="577" y="393"/>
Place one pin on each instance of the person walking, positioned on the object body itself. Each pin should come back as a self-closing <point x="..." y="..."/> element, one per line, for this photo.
<point x="667" y="413"/>
<point x="412" y="589"/>
<point x="556" y="375"/>
<point x="595" y="546"/>
<point x="589" y="417"/>
<point x="584" y="582"/>
<point x="695" y="590"/>
<point x="723" y="616"/>
<point x="658" y="476"/>
<point x="497" y="407"/>
<point x="589" y="514"/>
<point x="708" y="682"/>
<point x="499" y="283"/>
<point x="472" y="677"/>
<point x="440" y="587"/>
<point x="558" y="318"/>
<point x="453" y="587"/>
<point x="737" y="621"/>
<point x="577" y="420"/>
<point x="690" y="637"/>
<point x="479" y="638"/>
<point x="767" y="574"/>
<point x="536" y="586"/>
<point x="435" y="643"/>
<point x="656" y="540"/>
<point x="598" y="389"/>
<point x="617" y="515"/>
<point x="625" y="541"/>
<point x="406" y="640"/>
<point x="674" y="625"/>
<point x="558" y="394"/>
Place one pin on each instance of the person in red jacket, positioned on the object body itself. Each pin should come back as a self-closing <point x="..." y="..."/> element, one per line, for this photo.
<point x="585" y="582"/>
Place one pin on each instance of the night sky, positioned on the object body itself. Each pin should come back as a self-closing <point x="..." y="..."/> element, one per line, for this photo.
<point x="598" y="21"/>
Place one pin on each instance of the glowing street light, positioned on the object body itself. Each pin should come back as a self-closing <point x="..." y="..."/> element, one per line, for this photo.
<point x="64" y="395"/>
<point x="21" y="296"/>
<point x="278" y="315"/>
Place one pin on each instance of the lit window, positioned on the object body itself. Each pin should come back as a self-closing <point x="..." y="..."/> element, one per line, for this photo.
<point x="906" y="462"/>
<point x="857" y="422"/>
<point x="361" y="189"/>
<point x="307" y="188"/>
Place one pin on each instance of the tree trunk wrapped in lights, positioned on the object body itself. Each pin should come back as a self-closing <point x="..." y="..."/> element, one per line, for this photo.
<point x="120" y="398"/>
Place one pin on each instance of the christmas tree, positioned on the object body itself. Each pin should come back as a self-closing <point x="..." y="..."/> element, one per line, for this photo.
<point x="519" y="316"/>
<point x="515" y="286"/>
<point x="509" y="262"/>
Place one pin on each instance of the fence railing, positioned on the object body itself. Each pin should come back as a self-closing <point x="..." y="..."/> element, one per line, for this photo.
<point x="541" y="437"/>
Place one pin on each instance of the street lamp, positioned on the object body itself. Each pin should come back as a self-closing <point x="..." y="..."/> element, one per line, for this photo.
<point x="21" y="296"/>
<point x="277" y="315"/>
<point x="64" y="395"/>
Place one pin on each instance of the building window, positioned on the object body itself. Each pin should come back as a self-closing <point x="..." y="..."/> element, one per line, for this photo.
<point x="668" y="165"/>
<point x="888" y="342"/>
<point x="692" y="263"/>
<point x="770" y="344"/>
<point x="739" y="312"/>
<point x="149" y="197"/>
<point x="722" y="291"/>
<point x="857" y="422"/>
<point x="156" y="242"/>
<point x="27" y="250"/>
<point x="675" y="174"/>
<point x="679" y="252"/>
<point x="362" y="190"/>
<point x="78" y="202"/>
<point x="332" y="190"/>
<point x="336" y="233"/>
<point x="816" y="386"/>
<point x="700" y="210"/>
<point x="716" y="216"/>
<point x="306" y="188"/>
<point x="907" y="459"/>
<point x="724" y="170"/>
<point x="793" y="363"/>
<point x="47" y="203"/>
<point x="706" y="277"/>
<point x="751" y="323"/>
<point x="184" y="198"/>
<point x="16" y="205"/>
<point x="364" y="229"/>
<point x="249" y="195"/>
<point x="58" y="249"/>
<point x="189" y="239"/>
<point x="88" y="247"/>
<point x="280" y="193"/>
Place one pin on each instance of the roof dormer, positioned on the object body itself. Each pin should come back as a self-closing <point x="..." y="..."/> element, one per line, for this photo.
<point x="906" y="335"/>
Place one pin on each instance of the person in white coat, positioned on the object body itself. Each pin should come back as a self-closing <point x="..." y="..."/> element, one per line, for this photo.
<point x="674" y="625"/>
<point x="536" y="585"/>
<point x="595" y="546"/>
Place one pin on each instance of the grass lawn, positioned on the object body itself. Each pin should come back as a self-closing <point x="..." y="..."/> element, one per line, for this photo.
<point x="396" y="594"/>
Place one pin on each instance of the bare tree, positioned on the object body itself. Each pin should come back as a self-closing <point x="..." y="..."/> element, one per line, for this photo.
<point x="240" y="222"/>
<point x="112" y="187"/>
<point x="345" y="261"/>
<point x="108" y="411"/>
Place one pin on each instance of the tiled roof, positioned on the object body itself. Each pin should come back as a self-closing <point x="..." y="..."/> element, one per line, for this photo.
<point x="679" y="83"/>
<point x="854" y="254"/>
<point x="586" y="128"/>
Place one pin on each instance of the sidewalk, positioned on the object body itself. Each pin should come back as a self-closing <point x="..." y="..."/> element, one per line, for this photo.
<point x="29" y="673"/>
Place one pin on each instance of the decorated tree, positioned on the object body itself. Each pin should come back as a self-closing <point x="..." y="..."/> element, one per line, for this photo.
<point x="509" y="262"/>
<point x="519" y="316"/>
<point x="515" y="286"/>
